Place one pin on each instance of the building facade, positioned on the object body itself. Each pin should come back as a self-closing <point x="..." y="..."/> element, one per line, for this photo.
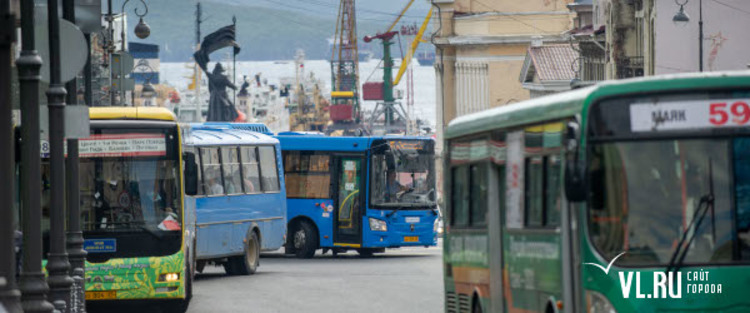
<point x="481" y="47"/>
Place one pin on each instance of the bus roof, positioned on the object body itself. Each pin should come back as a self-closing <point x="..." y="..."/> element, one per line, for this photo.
<point x="211" y="134"/>
<point x="131" y="113"/>
<point x="566" y="104"/>
<point x="316" y="142"/>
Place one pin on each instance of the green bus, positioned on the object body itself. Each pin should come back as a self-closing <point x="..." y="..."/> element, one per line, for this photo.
<point x="137" y="213"/>
<point x="627" y="196"/>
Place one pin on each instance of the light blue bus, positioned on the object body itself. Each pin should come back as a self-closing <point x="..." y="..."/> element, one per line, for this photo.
<point x="241" y="200"/>
<point x="358" y="193"/>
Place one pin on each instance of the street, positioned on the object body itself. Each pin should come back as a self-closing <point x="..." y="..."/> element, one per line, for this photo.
<point x="401" y="280"/>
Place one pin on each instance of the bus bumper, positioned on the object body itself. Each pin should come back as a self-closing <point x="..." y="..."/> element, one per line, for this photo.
<point x="396" y="239"/>
<point x="137" y="278"/>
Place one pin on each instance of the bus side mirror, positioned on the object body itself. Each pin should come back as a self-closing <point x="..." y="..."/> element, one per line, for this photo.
<point x="575" y="168"/>
<point x="191" y="174"/>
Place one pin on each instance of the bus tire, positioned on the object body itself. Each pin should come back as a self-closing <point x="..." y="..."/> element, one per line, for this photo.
<point x="365" y="253"/>
<point x="305" y="240"/>
<point x="248" y="262"/>
<point x="477" y="307"/>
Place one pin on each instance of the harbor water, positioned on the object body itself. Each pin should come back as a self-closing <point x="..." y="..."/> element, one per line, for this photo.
<point x="424" y="79"/>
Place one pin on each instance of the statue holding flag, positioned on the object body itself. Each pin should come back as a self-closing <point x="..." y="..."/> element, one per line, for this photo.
<point x="220" y="108"/>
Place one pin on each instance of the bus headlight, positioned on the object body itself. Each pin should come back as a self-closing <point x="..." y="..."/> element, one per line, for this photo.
<point x="436" y="226"/>
<point x="378" y="225"/>
<point x="598" y="303"/>
<point x="169" y="277"/>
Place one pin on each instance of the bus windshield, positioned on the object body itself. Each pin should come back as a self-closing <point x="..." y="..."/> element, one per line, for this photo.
<point x="677" y="176"/>
<point x="403" y="178"/>
<point x="129" y="194"/>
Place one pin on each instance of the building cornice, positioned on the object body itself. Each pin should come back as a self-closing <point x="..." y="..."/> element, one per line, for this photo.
<point x="489" y="14"/>
<point x="463" y="40"/>
<point x="552" y="85"/>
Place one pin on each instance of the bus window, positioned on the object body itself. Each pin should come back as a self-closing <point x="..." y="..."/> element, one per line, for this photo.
<point x="251" y="175"/>
<point x="196" y="152"/>
<point x="308" y="176"/>
<point x="269" y="172"/>
<point x="478" y="186"/>
<point x="211" y="171"/>
<point x="231" y="169"/>
<point x="533" y="195"/>
<point x="460" y="196"/>
<point x="553" y="173"/>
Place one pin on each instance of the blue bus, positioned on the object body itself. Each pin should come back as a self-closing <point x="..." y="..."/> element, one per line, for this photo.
<point x="358" y="193"/>
<point x="241" y="197"/>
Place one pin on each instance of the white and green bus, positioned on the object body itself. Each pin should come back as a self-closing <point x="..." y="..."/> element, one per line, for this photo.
<point x="628" y="196"/>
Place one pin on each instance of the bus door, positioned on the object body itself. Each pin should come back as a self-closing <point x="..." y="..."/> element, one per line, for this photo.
<point x="348" y="200"/>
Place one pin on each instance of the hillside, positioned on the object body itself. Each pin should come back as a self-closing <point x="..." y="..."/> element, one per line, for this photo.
<point x="264" y="31"/>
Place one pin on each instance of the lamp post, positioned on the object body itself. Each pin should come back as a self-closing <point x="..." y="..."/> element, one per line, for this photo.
<point x="142" y="31"/>
<point x="75" y="251"/>
<point x="9" y="294"/>
<point x="681" y="18"/>
<point x="58" y="265"/>
<point x="32" y="284"/>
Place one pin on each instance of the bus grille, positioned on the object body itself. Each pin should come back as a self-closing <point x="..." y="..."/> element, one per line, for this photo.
<point x="457" y="305"/>
<point x="450" y="302"/>
<point x="464" y="303"/>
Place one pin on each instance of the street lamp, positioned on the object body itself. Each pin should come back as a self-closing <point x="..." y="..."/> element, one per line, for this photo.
<point x="147" y="91"/>
<point x="142" y="30"/>
<point x="681" y="19"/>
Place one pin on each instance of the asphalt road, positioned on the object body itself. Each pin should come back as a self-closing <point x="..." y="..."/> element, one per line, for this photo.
<point x="401" y="280"/>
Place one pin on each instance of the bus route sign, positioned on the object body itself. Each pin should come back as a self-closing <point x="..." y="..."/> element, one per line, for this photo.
<point x="682" y="115"/>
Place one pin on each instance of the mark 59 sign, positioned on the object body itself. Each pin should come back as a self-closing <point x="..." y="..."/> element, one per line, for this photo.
<point x="682" y="115"/>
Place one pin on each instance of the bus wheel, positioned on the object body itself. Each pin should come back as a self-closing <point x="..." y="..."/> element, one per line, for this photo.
<point x="247" y="263"/>
<point x="365" y="253"/>
<point x="477" y="307"/>
<point x="305" y="241"/>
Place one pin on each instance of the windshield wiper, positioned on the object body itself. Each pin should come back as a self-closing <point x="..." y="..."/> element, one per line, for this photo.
<point x="706" y="203"/>
<point x="389" y="214"/>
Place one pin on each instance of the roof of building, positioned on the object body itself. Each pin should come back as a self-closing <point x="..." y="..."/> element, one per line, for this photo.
<point x="549" y="62"/>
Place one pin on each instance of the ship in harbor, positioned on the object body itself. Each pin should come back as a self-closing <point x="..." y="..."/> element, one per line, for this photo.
<point x="426" y="58"/>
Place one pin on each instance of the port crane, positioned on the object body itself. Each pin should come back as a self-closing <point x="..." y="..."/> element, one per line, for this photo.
<point x="395" y="118"/>
<point x="344" y="111"/>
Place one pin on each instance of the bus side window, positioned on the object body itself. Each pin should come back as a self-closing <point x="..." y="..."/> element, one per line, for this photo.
<point x="478" y="187"/>
<point x="307" y="175"/>
<point x="533" y="193"/>
<point x="269" y="172"/>
<point x="250" y="172"/>
<point x="231" y="168"/>
<point x="211" y="166"/>
<point x="197" y="152"/>
<point x="552" y="197"/>
<point x="460" y="196"/>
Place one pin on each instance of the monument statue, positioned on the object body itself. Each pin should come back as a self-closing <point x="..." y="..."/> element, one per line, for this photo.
<point x="220" y="108"/>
